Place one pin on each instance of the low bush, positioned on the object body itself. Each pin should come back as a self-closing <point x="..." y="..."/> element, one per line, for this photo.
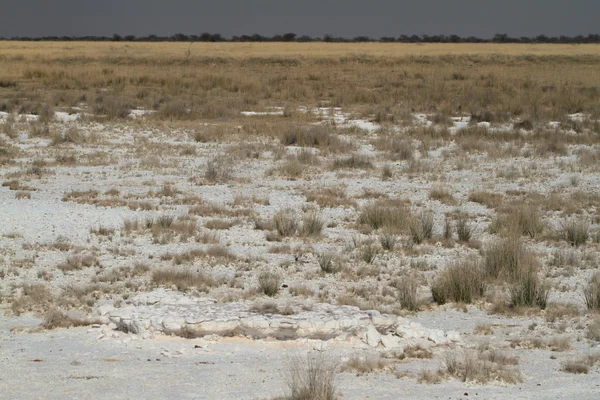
<point x="459" y="282"/>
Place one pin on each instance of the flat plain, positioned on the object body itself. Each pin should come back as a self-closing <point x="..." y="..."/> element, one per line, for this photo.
<point x="299" y="221"/>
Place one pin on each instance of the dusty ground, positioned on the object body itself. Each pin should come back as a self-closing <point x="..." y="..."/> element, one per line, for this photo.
<point x="92" y="212"/>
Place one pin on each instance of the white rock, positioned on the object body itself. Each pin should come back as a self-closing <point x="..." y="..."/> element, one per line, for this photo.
<point x="390" y="341"/>
<point x="437" y="336"/>
<point x="105" y="309"/>
<point x="172" y="324"/>
<point x="453" y="336"/>
<point x="320" y="345"/>
<point x="372" y="336"/>
<point x="424" y="343"/>
<point x="383" y="321"/>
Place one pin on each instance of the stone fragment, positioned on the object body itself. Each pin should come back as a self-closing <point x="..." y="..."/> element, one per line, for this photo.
<point x="372" y="336"/>
<point x="453" y="336"/>
<point x="390" y="341"/>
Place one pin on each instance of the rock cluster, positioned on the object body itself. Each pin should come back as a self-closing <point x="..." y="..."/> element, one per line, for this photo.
<point x="173" y="312"/>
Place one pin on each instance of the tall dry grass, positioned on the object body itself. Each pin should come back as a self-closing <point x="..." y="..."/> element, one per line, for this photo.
<point x="217" y="81"/>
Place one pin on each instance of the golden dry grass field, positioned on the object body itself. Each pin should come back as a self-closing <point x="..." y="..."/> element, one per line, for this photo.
<point x="217" y="81"/>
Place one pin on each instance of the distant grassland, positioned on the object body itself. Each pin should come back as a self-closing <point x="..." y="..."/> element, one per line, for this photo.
<point x="242" y="50"/>
<point x="218" y="80"/>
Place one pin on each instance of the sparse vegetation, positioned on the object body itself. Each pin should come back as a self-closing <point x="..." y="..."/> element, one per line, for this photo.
<point x="581" y="365"/>
<point x="463" y="228"/>
<point x="459" y="282"/>
<point x="341" y="160"/>
<point x="393" y="215"/>
<point x="269" y="283"/>
<point x="442" y="195"/>
<point x="311" y="377"/>
<point x="312" y="225"/>
<point x="285" y="222"/>
<point x="576" y="232"/>
<point x="469" y="366"/>
<point x="184" y="279"/>
<point x="529" y="290"/>
<point x="328" y="263"/>
<point x="421" y="227"/>
<point x="365" y="365"/>
<point x="407" y="293"/>
<point x="591" y="293"/>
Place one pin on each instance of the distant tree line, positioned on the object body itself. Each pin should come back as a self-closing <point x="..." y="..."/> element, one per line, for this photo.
<point x="292" y="37"/>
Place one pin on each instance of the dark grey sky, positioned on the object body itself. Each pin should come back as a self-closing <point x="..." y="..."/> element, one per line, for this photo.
<point x="347" y="18"/>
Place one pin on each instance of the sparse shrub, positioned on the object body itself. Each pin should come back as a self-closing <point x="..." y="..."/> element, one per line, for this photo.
<point x="218" y="224"/>
<point x="507" y="259"/>
<point x="399" y="148"/>
<point x="387" y="172"/>
<point x="267" y="307"/>
<point x="263" y="224"/>
<point x="582" y="364"/>
<point x="355" y="161"/>
<point x="591" y="293"/>
<point x="388" y="241"/>
<point x="37" y="168"/>
<point x="102" y="231"/>
<point x="566" y="258"/>
<point x="307" y="157"/>
<point x="593" y="330"/>
<point x="35" y="297"/>
<point x="576" y="232"/>
<point x="407" y="293"/>
<point x="442" y="195"/>
<point x="368" y="253"/>
<point x="314" y="136"/>
<point x="470" y="366"/>
<point x="392" y="215"/>
<point x="269" y="283"/>
<point x="312" y="225"/>
<point x="45" y="113"/>
<point x="71" y="135"/>
<point x="330" y="197"/>
<point x="39" y="129"/>
<point x="285" y="222"/>
<point x="528" y="290"/>
<point x="421" y="227"/>
<point x="575" y="367"/>
<point x="8" y="127"/>
<point x="328" y="263"/>
<point x="292" y="168"/>
<point x="484" y="329"/>
<point x="23" y="195"/>
<point x="58" y="319"/>
<point x="463" y="228"/>
<point x="560" y="311"/>
<point x="218" y="170"/>
<point x="459" y="282"/>
<point x="448" y="229"/>
<point x="78" y="262"/>
<point x="184" y="279"/>
<point x="111" y="107"/>
<point x="529" y="220"/>
<point x="417" y="351"/>
<point x="365" y="365"/>
<point x="174" y="110"/>
<point x="164" y="228"/>
<point x="430" y="377"/>
<point x="311" y="378"/>
<point x="488" y="199"/>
